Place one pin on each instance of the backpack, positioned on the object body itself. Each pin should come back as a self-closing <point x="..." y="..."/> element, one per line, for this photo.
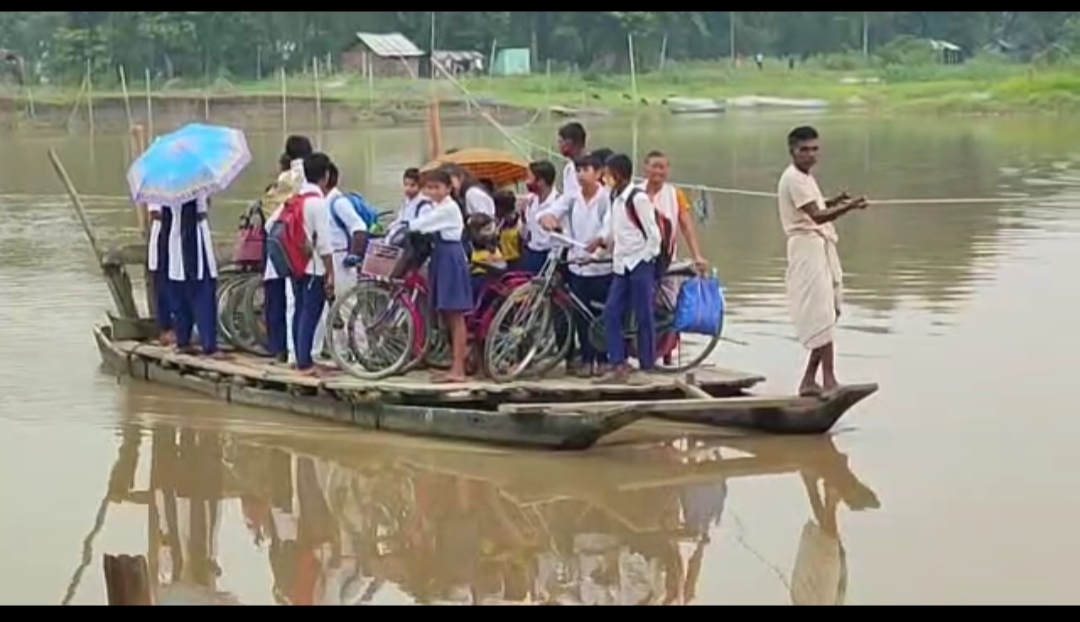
<point x="286" y="243"/>
<point x="667" y="233"/>
<point x="363" y="210"/>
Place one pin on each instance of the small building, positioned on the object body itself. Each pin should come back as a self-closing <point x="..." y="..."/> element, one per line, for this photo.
<point x="383" y="56"/>
<point x="948" y="53"/>
<point x="513" y="62"/>
<point x="459" y="63"/>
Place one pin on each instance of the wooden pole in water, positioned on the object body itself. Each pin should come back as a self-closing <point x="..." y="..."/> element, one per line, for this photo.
<point x="127" y="580"/>
<point x="318" y="101"/>
<point x="284" y="108"/>
<point x="371" y="82"/>
<point x="206" y="93"/>
<point x="663" y="52"/>
<point x="76" y="203"/>
<point x="78" y="102"/>
<point x="547" y="90"/>
<point x="137" y="136"/>
<point x="127" y="98"/>
<point x="149" y="106"/>
<point x="633" y="68"/>
<point x="90" y="96"/>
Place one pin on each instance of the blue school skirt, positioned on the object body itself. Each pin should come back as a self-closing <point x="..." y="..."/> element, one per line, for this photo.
<point x="449" y="281"/>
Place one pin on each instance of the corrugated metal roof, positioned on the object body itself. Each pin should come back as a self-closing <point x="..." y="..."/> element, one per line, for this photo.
<point x="457" y="56"/>
<point x="393" y="45"/>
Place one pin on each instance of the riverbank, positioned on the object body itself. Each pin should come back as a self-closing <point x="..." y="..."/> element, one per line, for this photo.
<point x="345" y="101"/>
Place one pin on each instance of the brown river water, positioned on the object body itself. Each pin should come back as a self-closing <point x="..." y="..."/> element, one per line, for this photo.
<point x="949" y="486"/>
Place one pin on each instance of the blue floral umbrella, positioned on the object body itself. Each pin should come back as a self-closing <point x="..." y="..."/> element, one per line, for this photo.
<point x="195" y="160"/>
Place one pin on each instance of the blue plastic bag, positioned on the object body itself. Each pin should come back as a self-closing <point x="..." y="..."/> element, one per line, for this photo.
<point x="699" y="308"/>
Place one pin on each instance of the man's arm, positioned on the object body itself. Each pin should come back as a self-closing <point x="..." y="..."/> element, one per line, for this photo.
<point x="829" y="214"/>
<point x="804" y="194"/>
<point x="555" y="213"/>
<point x="686" y="226"/>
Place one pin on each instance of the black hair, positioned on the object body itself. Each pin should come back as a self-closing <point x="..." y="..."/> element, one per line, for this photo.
<point x="801" y="134"/>
<point x="285" y="162"/>
<point x="488" y="185"/>
<point x="505" y="203"/>
<point x="588" y="160"/>
<point x="602" y="154"/>
<point x="655" y="153"/>
<point x="316" y="167"/>
<point x="544" y="171"/>
<point x="437" y="176"/>
<point x="573" y="133"/>
<point x="334" y="174"/>
<point x="412" y="174"/>
<point x="621" y="166"/>
<point x="298" y="147"/>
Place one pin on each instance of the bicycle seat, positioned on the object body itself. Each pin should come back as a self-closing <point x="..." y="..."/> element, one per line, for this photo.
<point x="681" y="267"/>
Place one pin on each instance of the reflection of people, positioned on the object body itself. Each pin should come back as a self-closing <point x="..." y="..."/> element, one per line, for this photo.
<point x="820" y="574"/>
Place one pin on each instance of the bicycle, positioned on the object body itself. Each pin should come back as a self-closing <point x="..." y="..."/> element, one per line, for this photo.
<point x="535" y="311"/>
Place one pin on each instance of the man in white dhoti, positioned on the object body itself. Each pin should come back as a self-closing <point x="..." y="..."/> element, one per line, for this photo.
<point x="814" y="277"/>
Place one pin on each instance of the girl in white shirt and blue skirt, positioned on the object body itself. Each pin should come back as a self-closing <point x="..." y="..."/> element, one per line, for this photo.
<point x="449" y="282"/>
<point x="193" y="276"/>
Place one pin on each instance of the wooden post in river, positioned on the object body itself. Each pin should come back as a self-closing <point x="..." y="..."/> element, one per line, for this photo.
<point x="127" y="580"/>
<point x="138" y="146"/>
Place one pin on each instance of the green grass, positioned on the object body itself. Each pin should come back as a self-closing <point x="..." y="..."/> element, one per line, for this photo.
<point x="977" y="87"/>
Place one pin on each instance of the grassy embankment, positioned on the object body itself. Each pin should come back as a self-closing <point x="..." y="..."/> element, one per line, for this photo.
<point x="977" y="87"/>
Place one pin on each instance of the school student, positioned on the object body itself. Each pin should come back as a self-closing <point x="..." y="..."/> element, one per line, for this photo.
<point x="583" y="218"/>
<point x="508" y="225"/>
<point x="193" y="277"/>
<point x="634" y="237"/>
<point x="540" y="182"/>
<point x="316" y="286"/>
<point x="449" y="286"/>
<point x="279" y="301"/>
<point x="157" y="262"/>
<point x="485" y="259"/>
<point x="571" y="143"/>
<point x="348" y="234"/>
<point x="412" y="202"/>
<point x="468" y="192"/>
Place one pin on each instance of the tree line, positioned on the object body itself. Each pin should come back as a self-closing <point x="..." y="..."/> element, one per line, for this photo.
<point x="58" y="46"/>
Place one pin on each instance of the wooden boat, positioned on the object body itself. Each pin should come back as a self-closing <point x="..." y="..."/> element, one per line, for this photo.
<point x="695" y="105"/>
<point x="555" y="413"/>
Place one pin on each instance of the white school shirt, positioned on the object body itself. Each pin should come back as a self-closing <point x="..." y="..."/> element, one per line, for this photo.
<point x="339" y="205"/>
<point x="316" y="228"/>
<point x="292" y="178"/>
<point x="477" y="201"/>
<point x="407" y="211"/>
<point x="444" y="218"/>
<point x="152" y="258"/>
<point x="536" y="238"/>
<point x="584" y="223"/>
<point x="629" y="247"/>
<point x="204" y="247"/>
<point x="570" y="183"/>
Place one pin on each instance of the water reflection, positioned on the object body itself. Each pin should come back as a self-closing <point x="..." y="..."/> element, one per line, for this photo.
<point x="341" y="526"/>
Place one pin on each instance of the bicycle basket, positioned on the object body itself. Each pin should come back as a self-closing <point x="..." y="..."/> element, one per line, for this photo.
<point x="381" y="260"/>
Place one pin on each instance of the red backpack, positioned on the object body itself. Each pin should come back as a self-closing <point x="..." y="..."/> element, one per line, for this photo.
<point x="667" y="233"/>
<point x="286" y="244"/>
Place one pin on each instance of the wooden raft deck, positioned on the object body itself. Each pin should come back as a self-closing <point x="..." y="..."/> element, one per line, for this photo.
<point x="553" y="412"/>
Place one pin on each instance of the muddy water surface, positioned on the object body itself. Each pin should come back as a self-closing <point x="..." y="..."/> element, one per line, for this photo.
<point x="955" y="484"/>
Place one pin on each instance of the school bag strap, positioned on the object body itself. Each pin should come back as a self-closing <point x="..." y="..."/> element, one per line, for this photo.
<point x="662" y="223"/>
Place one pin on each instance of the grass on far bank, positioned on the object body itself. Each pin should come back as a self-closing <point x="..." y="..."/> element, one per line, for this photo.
<point x="976" y="87"/>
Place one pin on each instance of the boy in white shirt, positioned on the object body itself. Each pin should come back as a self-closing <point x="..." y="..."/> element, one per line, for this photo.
<point x="348" y="234"/>
<point x="634" y="239"/>
<point x="583" y="217"/>
<point x="316" y="286"/>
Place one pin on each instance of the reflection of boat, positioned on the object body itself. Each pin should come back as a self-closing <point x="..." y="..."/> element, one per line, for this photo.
<point x="567" y="413"/>
<point x="347" y="523"/>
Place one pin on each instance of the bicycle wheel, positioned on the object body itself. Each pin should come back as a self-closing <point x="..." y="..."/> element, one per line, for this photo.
<point x="680" y="353"/>
<point x="372" y="330"/>
<point x="249" y="315"/>
<point x="520" y="334"/>
<point x="225" y="329"/>
<point x="423" y="337"/>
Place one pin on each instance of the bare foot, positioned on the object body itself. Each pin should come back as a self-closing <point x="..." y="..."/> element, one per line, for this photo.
<point x="810" y="389"/>
<point x="218" y="355"/>
<point x="166" y="338"/>
<point x="310" y="372"/>
<point x="617" y="375"/>
<point x="830" y="384"/>
<point x="448" y="378"/>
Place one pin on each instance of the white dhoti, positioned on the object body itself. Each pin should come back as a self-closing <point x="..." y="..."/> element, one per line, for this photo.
<point x="814" y="282"/>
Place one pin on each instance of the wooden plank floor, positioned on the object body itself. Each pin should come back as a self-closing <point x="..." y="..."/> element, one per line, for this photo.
<point x="419" y="382"/>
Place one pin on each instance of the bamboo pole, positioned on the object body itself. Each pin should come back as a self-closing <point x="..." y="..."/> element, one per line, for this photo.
<point x="633" y="68"/>
<point x="127" y="580"/>
<point x="149" y="106"/>
<point x="318" y="101"/>
<point x="76" y="203"/>
<point x="90" y="96"/>
<point x="78" y="102"/>
<point x="547" y="90"/>
<point x="284" y="108"/>
<point x="127" y="97"/>
<point x="206" y="94"/>
<point x="30" y="102"/>
<point x="370" y="83"/>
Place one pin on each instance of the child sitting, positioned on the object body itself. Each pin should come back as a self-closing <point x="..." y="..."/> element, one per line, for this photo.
<point x="486" y="259"/>
<point x="508" y="226"/>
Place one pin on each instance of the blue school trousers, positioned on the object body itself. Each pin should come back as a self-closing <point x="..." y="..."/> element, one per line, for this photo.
<point x="634" y="291"/>
<point x="309" y="296"/>
<point x="196" y="308"/>
<point x="592" y="291"/>
<point x="532" y="261"/>
<point x="275" y="312"/>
